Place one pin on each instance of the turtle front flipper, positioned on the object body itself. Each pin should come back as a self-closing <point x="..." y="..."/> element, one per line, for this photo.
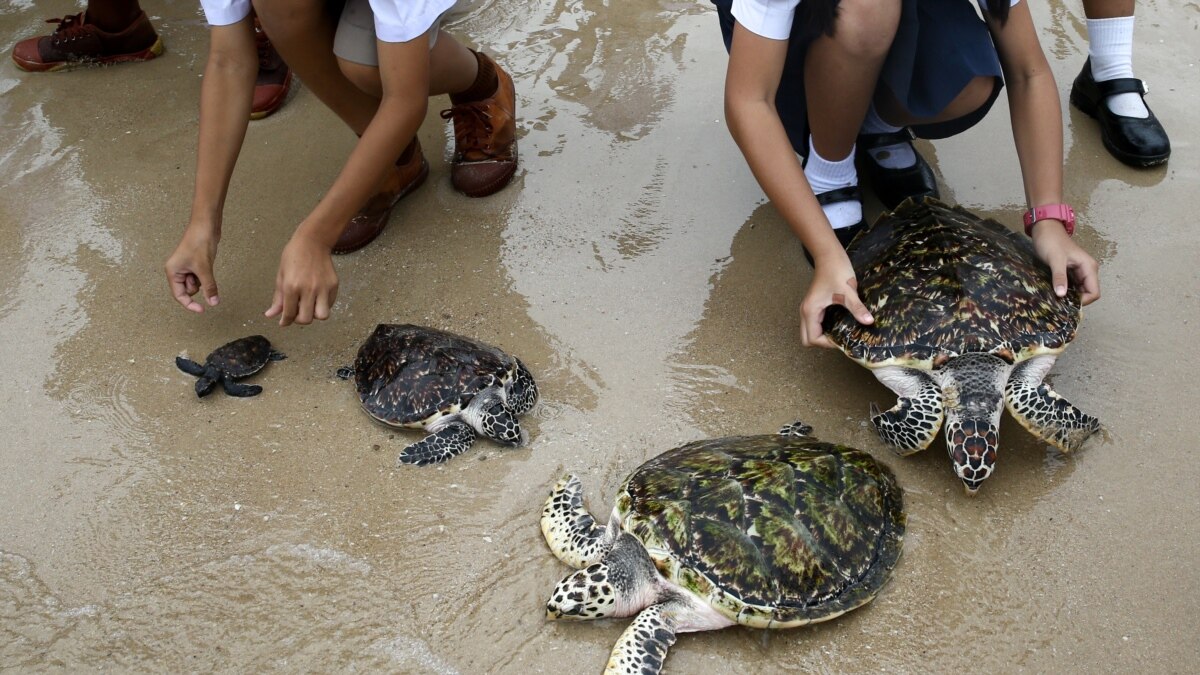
<point x="452" y="439"/>
<point x="643" y="646"/>
<point x="1043" y="412"/>
<point x="189" y="366"/>
<point x="570" y="531"/>
<point x="241" y="390"/>
<point x="913" y="423"/>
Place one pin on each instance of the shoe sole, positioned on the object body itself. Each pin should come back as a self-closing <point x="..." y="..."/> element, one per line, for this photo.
<point x="416" y="183"/>
<point x="145" y="55"/>
<point x="1088" y="108"/>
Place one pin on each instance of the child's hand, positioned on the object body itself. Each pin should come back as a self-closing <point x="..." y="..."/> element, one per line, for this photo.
<point x="1056" y="248"/>
<point x="833" y="283"/>
<point x="189" y="269"/>
<point x="306" y="286"/>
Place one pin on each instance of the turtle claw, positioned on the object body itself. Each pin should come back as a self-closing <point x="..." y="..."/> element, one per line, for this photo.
<point x="345" y="372"/>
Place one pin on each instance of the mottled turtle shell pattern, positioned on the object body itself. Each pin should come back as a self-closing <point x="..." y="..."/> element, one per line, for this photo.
<point x="942" y="282"/>
<point x="772" y="531"/>
<point x="409" y="376"/>
<point x="242" y="357"/>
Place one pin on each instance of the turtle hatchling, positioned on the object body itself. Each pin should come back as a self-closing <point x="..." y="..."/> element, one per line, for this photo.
<point x="229" y="362"/>
<point x="452" y="386"/>
<point x="966" y="322"/>
<point x="772" y="531"/>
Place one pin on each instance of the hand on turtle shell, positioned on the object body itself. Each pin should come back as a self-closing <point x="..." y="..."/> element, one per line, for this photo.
<point x="306" y="285"/>
<point x="189" y="270"/>
<point x="1056" y="248"/>
<point x="833" y="283"/>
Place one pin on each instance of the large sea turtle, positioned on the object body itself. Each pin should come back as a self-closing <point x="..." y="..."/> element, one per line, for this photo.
<point x="232" y="361"/>
<point x="771" y="531"/>
<point x="966" y="321"/>
<point x="452" y="386"/>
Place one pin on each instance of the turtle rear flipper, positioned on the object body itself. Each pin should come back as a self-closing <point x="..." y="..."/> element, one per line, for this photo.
<point x="643" y="646"/>
<point x="570" y="531"/>
<point x="1043" y="412"/>
<point x="913" y="423"/>
<point x="452" y="439"/>
<point x="242" y="390"/>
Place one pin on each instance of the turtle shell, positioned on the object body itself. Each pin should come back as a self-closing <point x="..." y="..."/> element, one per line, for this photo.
<point x="242" y="357"/>
<point x="942" y="282"/>
<point x="773" y="531"/>
<point x="411" y="375"/>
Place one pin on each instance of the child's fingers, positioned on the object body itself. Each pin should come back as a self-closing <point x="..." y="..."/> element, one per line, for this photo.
<point x="857" y="308"/>
<point x="276" y="305"/>
<point x="180" y="289"/>
<point x="209" y="285"/>
<point x="324" y="302"/>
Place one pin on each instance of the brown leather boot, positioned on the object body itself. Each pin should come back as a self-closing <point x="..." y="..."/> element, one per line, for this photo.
<point x="274" y="76"/>
<point x="485" y="140"/>
<point x="371" y="219"/>
<point x="76" y="42"/>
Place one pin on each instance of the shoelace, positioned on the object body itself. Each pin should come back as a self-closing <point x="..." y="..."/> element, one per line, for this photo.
<point x="474" y="125"/>
<point x="70" y="28"/>
<point x="264" y="47"/>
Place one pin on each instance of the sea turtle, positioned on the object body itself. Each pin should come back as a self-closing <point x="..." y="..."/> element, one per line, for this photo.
<point x="232" y="361"/>
<point x="452" y="386"/>
<point x="771" y="531"/>
<point x="966" y="321"/>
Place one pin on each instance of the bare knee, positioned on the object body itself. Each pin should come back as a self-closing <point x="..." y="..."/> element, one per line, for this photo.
<point x="366" y="78"/>
<point x="973" y="97"/>
<point x="866" y="28"/>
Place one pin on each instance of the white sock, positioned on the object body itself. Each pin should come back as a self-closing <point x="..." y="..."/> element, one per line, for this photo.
<point x="1110" y="48"/>
<point x="895" y="156"/>
<point x="824" y="175"/>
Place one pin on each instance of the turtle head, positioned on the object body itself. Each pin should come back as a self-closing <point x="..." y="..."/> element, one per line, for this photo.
<point x="494" y="418"/>
<point x="974" y="391"/>
<point x="623" y="583"/>
<point x="585" y="594"/>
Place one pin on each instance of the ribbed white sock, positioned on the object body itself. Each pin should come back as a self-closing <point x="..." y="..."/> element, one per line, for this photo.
<point x="824" y="175"/>
<point x="1110" y="48"/>
<point x="895" y="156"/>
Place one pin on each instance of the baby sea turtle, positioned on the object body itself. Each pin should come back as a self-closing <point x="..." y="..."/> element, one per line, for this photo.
<point x="233" y="361"/>
<point x="452" y="386"/>
<point x="966" y="321"/>
<point x="771" y="531"/>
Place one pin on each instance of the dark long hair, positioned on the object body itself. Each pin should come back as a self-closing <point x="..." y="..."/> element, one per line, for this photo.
<point x="818" y="16"/>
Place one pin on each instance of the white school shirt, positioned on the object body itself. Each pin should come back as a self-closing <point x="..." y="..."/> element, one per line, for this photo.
<point x="395" y="20"/>
<point x="773" y="18"/>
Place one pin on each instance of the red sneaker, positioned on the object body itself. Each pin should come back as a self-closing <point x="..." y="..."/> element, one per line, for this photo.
<point x="274" y="77"/>
<point x="76" y="42"/>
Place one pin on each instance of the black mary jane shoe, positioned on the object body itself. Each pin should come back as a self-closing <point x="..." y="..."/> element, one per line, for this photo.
<point x="844" y="235"/>
<point x="893" y="186"/>
<point x="1136" y="141"/>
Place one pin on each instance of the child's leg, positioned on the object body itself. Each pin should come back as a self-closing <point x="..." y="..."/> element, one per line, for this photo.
<point x="840" y="75"/>
<point x="302" y="32"/>
<point x="1107" y="90"/>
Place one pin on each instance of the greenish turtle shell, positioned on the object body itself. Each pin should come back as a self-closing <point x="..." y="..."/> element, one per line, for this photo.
<point x="772" y="531"/>
<point x="242" y="357"/>
<point x="942" y="282"/>
<point x="408" y="376"/>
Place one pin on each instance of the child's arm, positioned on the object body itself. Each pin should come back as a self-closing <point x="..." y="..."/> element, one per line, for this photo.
<point x="1037" y="131"/>
<point x="306" y="285"/>
<point x="755" y="67"/>
<point x="226" y="95"/>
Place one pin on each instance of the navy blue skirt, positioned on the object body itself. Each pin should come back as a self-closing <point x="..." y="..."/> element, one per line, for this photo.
<point x="939" y="47"/>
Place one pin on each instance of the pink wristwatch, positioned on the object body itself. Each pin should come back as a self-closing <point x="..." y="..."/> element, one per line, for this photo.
<point x="1057" y="211"/>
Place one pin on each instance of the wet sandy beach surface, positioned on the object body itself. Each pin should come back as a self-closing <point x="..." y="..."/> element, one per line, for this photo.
<point x="634" y="266"/>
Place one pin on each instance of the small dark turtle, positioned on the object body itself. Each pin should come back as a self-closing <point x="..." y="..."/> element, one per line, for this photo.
<point x="770" y="531"/>
<point x="233" y="361"/>
<point x="966" y="321"/>
<point x="452" y="386"/>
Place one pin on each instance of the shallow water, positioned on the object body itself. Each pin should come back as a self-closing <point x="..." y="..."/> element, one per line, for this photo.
<point x="634" y="266"/>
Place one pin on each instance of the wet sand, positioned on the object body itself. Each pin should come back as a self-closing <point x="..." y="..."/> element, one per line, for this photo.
<point x="634" y="266"/>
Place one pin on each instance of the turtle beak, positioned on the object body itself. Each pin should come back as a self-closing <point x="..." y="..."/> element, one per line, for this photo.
<point x="971" y="487"/>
